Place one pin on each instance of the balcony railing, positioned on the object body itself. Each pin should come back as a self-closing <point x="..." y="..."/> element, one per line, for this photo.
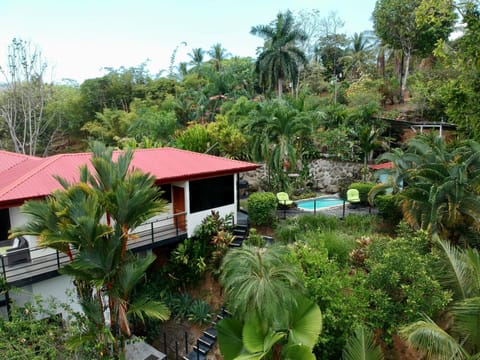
<point x="25" y="265"/>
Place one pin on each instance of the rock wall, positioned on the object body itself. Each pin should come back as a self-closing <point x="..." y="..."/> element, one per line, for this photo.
<point x="327" y="175"/>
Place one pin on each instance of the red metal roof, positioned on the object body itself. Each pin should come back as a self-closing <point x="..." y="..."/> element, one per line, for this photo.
<point x="387" y="165"/>
<point x="26" y="177"/>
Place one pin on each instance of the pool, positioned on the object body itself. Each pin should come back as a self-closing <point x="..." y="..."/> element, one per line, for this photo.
<point x="319" y="203"/>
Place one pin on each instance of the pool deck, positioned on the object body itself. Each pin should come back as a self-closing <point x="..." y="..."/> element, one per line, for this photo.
<point x="336" y="211"/>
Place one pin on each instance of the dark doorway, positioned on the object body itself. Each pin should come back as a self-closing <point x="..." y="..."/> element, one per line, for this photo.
<point x="4" y="223"/>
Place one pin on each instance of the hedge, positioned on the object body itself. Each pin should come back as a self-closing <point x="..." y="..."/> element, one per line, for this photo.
<point x="262" y="208"/>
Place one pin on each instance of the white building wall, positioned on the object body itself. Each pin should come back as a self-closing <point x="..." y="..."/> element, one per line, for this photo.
<point x="57" y="288"/>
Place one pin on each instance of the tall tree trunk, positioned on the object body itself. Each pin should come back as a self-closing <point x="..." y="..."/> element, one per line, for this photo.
<point x="402" y="77"/>
<point x="405" y="74"/>
<point x="280" y="87"/>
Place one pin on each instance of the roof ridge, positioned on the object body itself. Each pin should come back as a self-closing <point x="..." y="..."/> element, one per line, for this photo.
<point x="47" y="161"/>
<point x="205" y="155"/>
<point x="23" y="158"/>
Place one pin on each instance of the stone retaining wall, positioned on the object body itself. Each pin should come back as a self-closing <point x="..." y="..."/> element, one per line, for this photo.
<point x="326" y="175"/>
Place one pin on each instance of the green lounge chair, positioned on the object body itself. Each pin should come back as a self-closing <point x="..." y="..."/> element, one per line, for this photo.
<point x="283" y="199"/>
<point x="353" y="196"/>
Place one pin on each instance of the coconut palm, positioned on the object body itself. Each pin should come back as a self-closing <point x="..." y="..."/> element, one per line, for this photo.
<point x="461" y="274"/>
<point x="73" y="219"/>
<point x="197" y="55"/>
<point x="280" y="57"/>
<point x="218" y="54"/>
<point x="358" y="54"/>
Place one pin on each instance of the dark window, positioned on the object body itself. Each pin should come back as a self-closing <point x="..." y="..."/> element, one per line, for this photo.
<point x="211" y="193"/>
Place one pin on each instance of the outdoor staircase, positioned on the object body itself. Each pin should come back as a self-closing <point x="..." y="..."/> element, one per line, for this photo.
<point x="207" y="340"/>
<point x="240" y="233"/>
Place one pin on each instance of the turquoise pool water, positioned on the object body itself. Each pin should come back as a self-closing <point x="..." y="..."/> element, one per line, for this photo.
<point x="319" y="203"/>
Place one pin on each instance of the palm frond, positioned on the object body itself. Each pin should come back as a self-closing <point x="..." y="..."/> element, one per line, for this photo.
<point x="428" y="338"/>
<point x="361" y="346"/>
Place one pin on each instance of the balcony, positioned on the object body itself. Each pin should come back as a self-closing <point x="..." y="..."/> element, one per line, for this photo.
<point x="42" y="263"/>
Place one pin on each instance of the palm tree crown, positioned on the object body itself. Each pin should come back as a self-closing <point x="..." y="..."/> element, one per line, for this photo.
<point x="280" y="57"/>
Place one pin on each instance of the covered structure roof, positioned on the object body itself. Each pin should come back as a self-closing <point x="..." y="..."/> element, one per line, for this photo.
<point x="25" y="177"/>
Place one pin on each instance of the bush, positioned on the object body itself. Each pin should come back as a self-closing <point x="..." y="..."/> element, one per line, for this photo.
<point x="340" y="295"/>
<point x="262" y="208"/>
<point x="389" y="209"/>
<point x="363" y="189"/>
<point x="254" y="239"/>
<point x="400" y="274"/>
<point x="200" y="312"/>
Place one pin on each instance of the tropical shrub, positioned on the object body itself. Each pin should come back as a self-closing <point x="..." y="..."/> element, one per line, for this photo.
<point x="341" y="296"/>
<point x="194" y="138"/>
<point x="262" y="208"/>
<point x="35" y="331"/>
<point x="200" y="312"/>
<point x="389" y="209"/>
<point x="400" y="273"/>
<point x="254" y="239"/>
<point x="187" y="264"/>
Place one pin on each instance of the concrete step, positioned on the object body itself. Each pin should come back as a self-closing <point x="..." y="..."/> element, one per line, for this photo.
<point x="201" y="347"/>
<point x="211" y="332"/>
<point x="195" y="355"/>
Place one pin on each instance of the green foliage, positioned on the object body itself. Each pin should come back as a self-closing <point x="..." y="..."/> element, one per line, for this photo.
<point x="200" y="312"/>
<point x="341" y="296"/>
<point x="361" y="345"/>
<point x="194" y="138"/>
<point x="262" y="208"/>
<point x="363" y="92"/>
<point x="152" y="123"/>
<point x="389" y="208"/>
<point x="254" y="239"/>
<point x="400" y="273"/>
<point x="280" y="58"/>
<point x="230" y="141"/>
<point x="35" y="331"/>
<point x="460" y="272"/>
<point x="187" y="263"/>
<point x="336" y="144"/>
<point x="74" y="218"/>
<point x="294" y="333"/>
<point x="253" y="277"/>
<point x="363" y="189"/>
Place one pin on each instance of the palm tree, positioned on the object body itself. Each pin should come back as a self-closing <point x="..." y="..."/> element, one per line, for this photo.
<point x="361" y="345"/>
<point x="443" y="188"/>
<point x="271" y="318"/>
<point x="357" y="54"/>
<point x="275" y="129"/>
<point x="369" y="138"/>
<point x="461" y="273"/>
<point x="280" y="58"/>
<point x="73" y="219"/>
<point x="218" y="54"/>
<point x="254" y="277"/>
<point x="197" y="56"/>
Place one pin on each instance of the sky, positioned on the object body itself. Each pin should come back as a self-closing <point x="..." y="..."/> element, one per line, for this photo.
<point x="80" y="38"/>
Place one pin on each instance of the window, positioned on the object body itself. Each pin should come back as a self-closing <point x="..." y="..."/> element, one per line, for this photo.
<point x="211" y="193"/>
